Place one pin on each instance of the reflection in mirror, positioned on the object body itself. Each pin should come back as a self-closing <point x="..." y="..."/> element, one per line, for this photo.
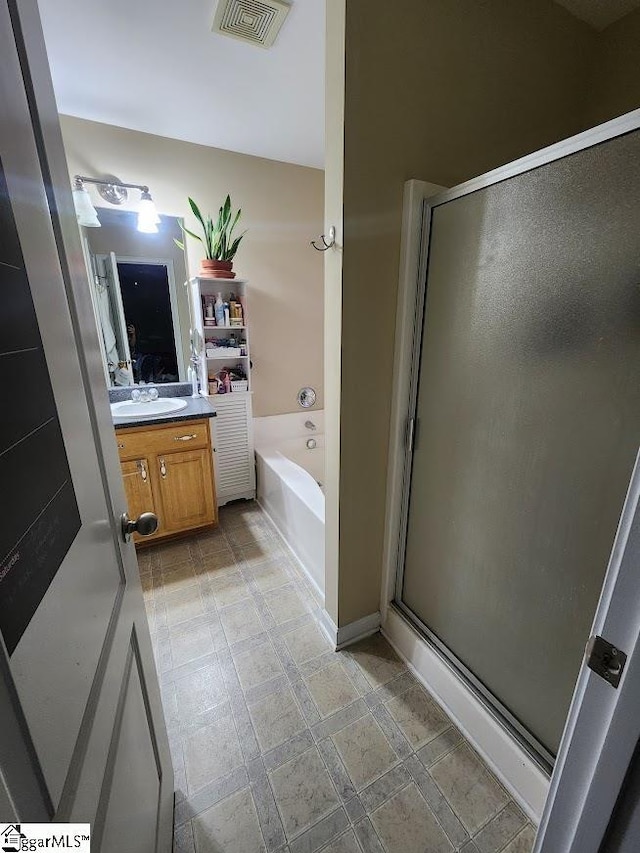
<point x="141" y="306"/>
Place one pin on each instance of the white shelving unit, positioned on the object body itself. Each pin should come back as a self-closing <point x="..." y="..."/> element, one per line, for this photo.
<point x="232" y="428"/>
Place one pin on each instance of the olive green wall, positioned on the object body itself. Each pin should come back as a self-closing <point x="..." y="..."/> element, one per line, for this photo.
<point x="440" y="90"/>
<point x="615" y="79"/>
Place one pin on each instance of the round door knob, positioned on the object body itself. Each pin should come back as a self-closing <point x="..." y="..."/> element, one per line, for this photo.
<point x="145" y="524"/>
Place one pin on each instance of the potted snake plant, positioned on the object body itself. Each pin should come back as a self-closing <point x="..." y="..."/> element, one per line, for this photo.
<point x="217" y="238"/>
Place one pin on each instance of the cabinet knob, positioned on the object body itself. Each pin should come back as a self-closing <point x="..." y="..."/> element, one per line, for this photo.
<point x="163" y="469"/>
<point x="145" y="524"/>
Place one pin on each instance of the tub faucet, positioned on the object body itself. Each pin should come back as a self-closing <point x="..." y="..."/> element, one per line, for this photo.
<point x="309" y="425"/>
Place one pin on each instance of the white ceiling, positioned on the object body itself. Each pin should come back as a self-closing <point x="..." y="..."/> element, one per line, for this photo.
<point x="599" y="13"/>
<point x="157" y="67"/>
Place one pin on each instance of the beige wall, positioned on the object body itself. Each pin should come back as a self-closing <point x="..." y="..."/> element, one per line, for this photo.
<point x="442" y="92"/>
<point x="615" y="78"/>
<point x="282" y="208"/>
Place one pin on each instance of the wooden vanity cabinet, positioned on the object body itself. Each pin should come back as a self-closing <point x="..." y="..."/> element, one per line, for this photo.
<point x="168" y="469"/>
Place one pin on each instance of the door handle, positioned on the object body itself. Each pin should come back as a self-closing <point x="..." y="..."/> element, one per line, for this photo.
<point x="145" y="524"/>
<point x="185" y="437"/>
<point x="163" y="469"/>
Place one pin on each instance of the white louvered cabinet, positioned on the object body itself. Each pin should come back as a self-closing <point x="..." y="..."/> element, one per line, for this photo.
<point x="232" y="428"/>
<point x="233" y="447"/>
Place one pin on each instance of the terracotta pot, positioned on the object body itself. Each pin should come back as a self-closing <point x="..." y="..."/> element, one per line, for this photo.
<point x="216" y="269"/>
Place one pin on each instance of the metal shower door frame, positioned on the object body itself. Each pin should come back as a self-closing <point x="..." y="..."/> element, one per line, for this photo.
<point x="603" y="133"/>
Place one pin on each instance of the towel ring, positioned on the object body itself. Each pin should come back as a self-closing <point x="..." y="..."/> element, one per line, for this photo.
<point x="332" y="241"/>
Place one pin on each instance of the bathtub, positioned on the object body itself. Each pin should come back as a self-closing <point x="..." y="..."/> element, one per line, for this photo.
<point x="289" y="477"/>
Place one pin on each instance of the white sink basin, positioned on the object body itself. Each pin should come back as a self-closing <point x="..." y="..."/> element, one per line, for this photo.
<point x="137" y="409"/>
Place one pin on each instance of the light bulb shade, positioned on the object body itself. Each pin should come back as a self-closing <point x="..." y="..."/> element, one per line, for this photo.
<point x="148" y="219"/>
<point x="85" y="211"/>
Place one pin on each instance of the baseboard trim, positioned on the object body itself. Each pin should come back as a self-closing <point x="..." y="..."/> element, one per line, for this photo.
<point x="514" y="767"/>
<point x="351" y="633"/>
<point x="329" y="627"/>
<point x="358" y="630"/>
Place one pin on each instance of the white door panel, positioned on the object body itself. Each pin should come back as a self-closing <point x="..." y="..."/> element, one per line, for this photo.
<point x="78" y="686"/>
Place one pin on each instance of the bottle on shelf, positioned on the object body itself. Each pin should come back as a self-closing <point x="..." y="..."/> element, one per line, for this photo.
<point x="219" y="311"/>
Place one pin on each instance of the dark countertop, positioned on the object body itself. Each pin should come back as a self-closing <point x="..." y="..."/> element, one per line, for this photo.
<point x="197" y="408"/>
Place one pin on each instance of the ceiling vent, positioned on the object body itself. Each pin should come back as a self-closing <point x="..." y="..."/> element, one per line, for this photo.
<point x="255" y="21"/>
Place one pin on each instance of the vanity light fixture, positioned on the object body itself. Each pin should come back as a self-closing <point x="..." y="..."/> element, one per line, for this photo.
<point x="85" y="211"/>
<point x="115" y="192"/>
<point x="148" y="219"/>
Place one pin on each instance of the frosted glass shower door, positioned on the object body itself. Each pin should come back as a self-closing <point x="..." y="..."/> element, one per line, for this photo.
<point x="527" y="424"/>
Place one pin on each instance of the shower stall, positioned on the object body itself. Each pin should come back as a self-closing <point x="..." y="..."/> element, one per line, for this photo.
<point x="522" y="423"/>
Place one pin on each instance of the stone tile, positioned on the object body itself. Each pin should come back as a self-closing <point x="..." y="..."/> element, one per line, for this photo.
<point x="247" y="531"/>
<point x="183" y="839"/>
<point x="268" y="816"/>
<point x="189" y="643"/>
<point x="395" y="737"/>
<point x="175" y="578"/>
<point x="191" y="723"/>
<point x="344" y="844"/>
<point x="354" y="809"/>
<point x="406" y="824"/>
<point x="173" y="552"/>
<point x="384" y="787"/>
<point x="239" y="512"/>
<point x="439" y="746"/>
<point x="241" y="621"/>
<point x="216" y="563"/>
<point x="292" y="624"/>
<point x="314" y="665"/>
<point x="469" y="847"/>
<point x="211" y="752"/>
<point x="364" y="750"/>
<point x="307" y="705"/>
<point x="522" y="843"/>
<point x="376" y="659"/>
<point x="418" y="716"/>
<point x="288" y="750"/>
<point x="256" y="666"/>
<point x="285" y="604"/>
<point x="303" y="791"/>
<point x="331" y="689"/>
<point x="211" y="794"/>
<point x="502" y="829"/>
<point x="210" y="542"/>
<point x="227" y="589"/>
<point x="257" y="553"/>
<point x="324" y="831"/>
<point x="436" y="801"/>
<point x="250" y="643"/>
<point x="470" y="788"/>
<point x="260" y="691"/>
<point x="392" y="688"/>
<point x="200" y="690"/>
<point x="339" y="720"/>
<point x="179" y="672"/>
<point x="269" y="576"/>
<point x="276" y="718"/>
<point x="183" y="605"/>
<point x="229" y="825"/>
<point x="336" y="768"/>
<point x="355" y="674"/>
<point x="367" y="837"/>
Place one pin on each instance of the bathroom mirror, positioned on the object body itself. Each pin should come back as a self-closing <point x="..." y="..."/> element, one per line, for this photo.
<point x="140" y="303"/>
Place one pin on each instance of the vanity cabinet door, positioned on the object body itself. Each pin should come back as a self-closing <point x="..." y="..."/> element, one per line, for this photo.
<point x="136" y="475"/>
<point x="186" y="489"/>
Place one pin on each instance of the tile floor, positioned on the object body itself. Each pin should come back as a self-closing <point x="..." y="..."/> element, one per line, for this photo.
<point x="280" y="744"/>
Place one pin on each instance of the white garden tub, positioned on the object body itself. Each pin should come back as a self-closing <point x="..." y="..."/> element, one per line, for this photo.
<point x="290" y="475"/>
